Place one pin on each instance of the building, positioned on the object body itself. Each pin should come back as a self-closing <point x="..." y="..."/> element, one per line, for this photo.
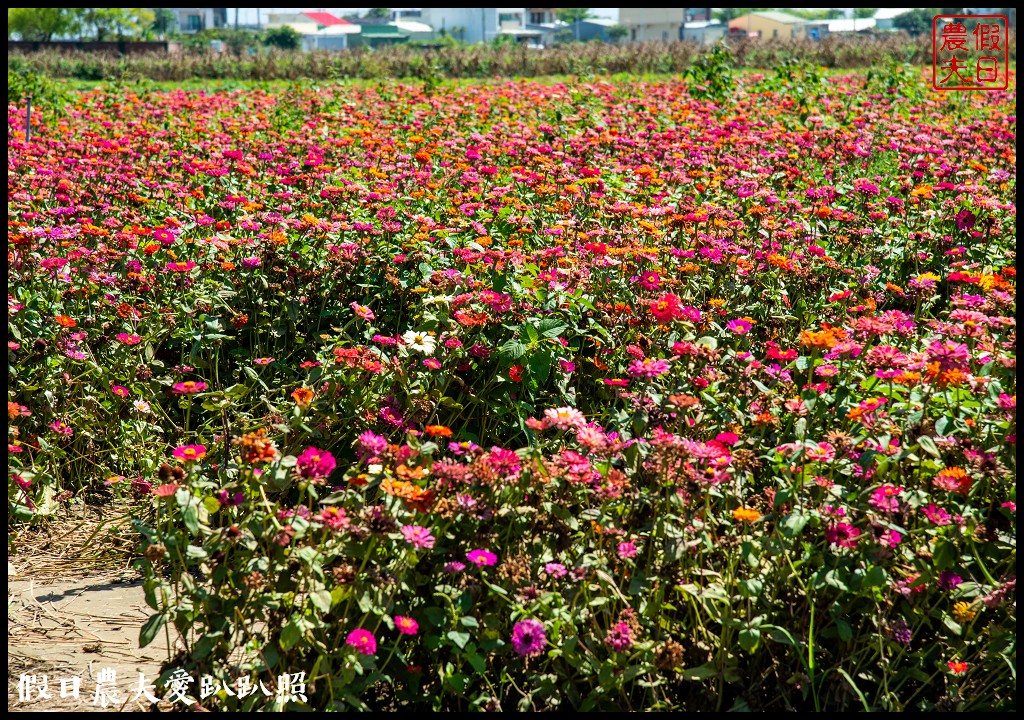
<point x="192" y="20"/>
<point x="541" y="16"/>
<point x="851" y="26"/>
<point x="703" y="32"/>
<point x="884" y="17"/>
<point x="319" y="30"/>
<point x="772" y="25"/>
<point x="475" y="25"/>
<point x="587" y="30"/>
<point x="662" y="24"/>
<point x="414" y="14"/>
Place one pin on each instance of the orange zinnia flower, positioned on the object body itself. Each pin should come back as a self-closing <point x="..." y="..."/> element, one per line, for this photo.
<point x="442" y="430"/>
<point x="747" y="514"/>
<point x="65" y="321"/>
<point x="302" y="397"/>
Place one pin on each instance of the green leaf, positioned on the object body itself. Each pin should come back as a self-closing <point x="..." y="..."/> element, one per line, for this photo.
<point x="844" y="630"/>
<point x="944" y="555"/>
<point x="928" y="445"/>
<point x="703" y="672"/>
<point x="749" y="638"/>
<point x="511" y="351"/>
<point x="321" y="600"/>
<point x="793" y="524"/>
<point x="191" y="518"/>
<point x="291" y="634"/>
<point x="212" y="504"/>
<point x="540" y="366"/>
<point x="150" y="628"/>
<point x="551" y="328"/>
<point x="459" y="638"/>
<point x="875" y="577"/>
<point x="477" y="662"/>
<point x="707" y="341"/>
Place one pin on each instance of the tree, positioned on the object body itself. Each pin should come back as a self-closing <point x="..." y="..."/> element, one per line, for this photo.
<point x="284" y="37"/>
<point x="571" y="15"/>
<point x="379" y="13"/>
<point x="163" y="21"/>
<point x="40" y="23"/>
<point x="617" y="32"/>
<point x="119" y="22"/>
<point x="863" y="13"/>
<point x="916" y="22"/>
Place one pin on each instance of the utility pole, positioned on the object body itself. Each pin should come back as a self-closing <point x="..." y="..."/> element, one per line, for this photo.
<point x="236" y="18"/>
<point x="483" y="25"/>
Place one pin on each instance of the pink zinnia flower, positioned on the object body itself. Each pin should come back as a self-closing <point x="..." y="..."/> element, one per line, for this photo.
<point x="886" y="498"/>
<point x="61" y="429"/>
<point x="406" y="625"/>
<point x="418" y="537"/>
<point x="529" y="638"/>
<point x="126" y="339"/>
<point x="166" y="490"/>
<point x="119" y="390"/>
<point x="564" y="418"/>
<point x="363" y="641"/>
<point x="189" y="387"/>
<point x="626" y="550"/>
<point x="936" y="514"/>
<point x="432" y="364"/>
<point x="263" y="360"/>
<point x="480" y="558"/>
<point x="314" y="464"/>
<point x="842" y="535"/>
<point x="334" y="517"/>
<point x="555" y="570"/>
<point x="648" y="367"/>
<point x="740" y="326"/>
<point x="190" y="453"/>
<point x="362" y="311"/>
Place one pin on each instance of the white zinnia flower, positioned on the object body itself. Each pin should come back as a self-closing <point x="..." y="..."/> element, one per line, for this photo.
<point x="420" y="341"/>
<point x="141" y="405"/>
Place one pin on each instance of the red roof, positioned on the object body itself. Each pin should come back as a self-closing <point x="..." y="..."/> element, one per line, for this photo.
<point x="324" y="18"/>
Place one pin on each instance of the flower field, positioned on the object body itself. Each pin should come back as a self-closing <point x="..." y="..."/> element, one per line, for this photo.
<point x="524" y="395"/>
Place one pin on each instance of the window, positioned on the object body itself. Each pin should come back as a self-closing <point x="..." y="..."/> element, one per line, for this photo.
<point x="664" y="36"/>
<point x="775" y="33"/>
<point x="195" y="22"/>
<point x="536" y="18"/>
<point x="509" y="19"/>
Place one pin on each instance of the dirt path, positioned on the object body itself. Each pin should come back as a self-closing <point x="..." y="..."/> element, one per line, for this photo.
<point x="59" y="630"/>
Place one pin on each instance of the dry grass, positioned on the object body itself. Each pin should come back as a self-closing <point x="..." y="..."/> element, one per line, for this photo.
<point x="80" y="541"/>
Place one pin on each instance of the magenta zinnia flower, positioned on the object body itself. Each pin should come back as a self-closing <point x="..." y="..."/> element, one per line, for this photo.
<point x="529" y="638"/>
<point x="481" y="557"/>
<point x="314" y="464"/>
<point x="740" y="327"/>
<point x="190" y="452"/>
<point x="363" y="641"/>
<point x="406" y="625"/>
<point x="648" y="367"/>
<point x="189" y="387"/>
<point x="842" y="534"/>
<point x="418" y="537"/>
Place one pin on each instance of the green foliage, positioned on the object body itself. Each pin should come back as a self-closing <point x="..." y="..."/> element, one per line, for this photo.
<point x="40" y="23"/>
<point x="571" y="15"/>
<point x="711" y="76"/>
<point x="283" y="38"/>
<point x="617" y="32"/>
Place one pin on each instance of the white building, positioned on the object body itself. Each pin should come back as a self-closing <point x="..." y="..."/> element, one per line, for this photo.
<point x="884" y="17"/>
<point x="474" y="25"/>
<point x="319" y="30"/>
